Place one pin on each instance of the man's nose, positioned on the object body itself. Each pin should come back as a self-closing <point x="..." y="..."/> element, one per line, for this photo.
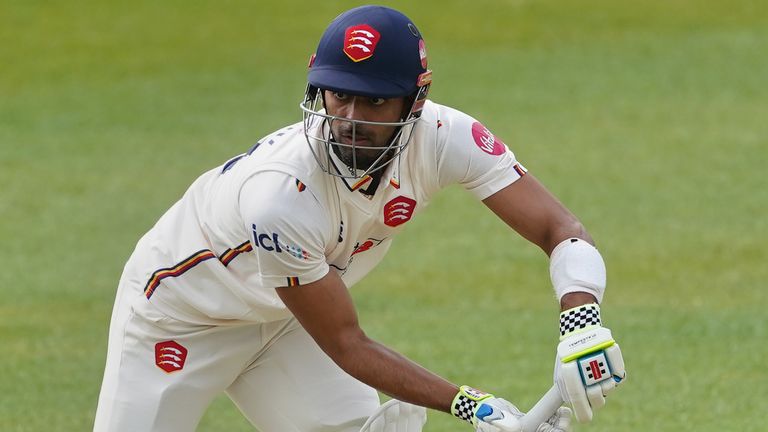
<point x="352" y="109"/>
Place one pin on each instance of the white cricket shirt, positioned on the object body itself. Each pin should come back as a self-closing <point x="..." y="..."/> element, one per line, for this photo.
<point x="271" y="217"/>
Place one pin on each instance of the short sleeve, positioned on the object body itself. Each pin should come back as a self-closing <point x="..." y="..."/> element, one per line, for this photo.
<point x="288" y="229"/>
<point x="471" y="155"/>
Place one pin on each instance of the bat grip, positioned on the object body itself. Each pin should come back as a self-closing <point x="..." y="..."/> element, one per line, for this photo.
<point x="543" y="410"/>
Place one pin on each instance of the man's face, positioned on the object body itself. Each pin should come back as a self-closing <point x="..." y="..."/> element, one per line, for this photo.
<point x="365" y="135"/>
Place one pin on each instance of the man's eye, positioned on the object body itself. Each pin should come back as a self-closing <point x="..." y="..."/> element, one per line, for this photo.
<point x="378" y="101"/>
<point x="340" y="96"/>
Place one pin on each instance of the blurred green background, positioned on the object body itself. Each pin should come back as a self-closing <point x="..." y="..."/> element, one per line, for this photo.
<point x="648" y="119"/>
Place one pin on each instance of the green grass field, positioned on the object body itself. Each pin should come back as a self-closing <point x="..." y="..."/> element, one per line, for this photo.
<point x="648" y="119"/>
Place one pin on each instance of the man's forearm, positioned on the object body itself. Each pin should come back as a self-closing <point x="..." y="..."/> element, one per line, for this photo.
<point x="395" y="375"/>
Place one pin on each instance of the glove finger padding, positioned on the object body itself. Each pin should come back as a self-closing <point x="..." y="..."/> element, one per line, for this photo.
<point x="572" y="389"/>
<point x="559" y="422"/>
<point x="616" y="361"/>
<point x="607" y="386"/>
<point x="511" y="407"/>
<point x="396" y="416"/>
<point x="595" y="396"/>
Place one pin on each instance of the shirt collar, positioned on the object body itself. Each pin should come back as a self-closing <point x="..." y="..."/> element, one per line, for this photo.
<point x="354" y="184"/>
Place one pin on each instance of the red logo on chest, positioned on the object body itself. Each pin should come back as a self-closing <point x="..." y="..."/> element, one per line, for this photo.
<point x="363" y="247"/>
<point x="399" y="211"/>
<point x="170" y="356"/>
<point x="360" y="42"/>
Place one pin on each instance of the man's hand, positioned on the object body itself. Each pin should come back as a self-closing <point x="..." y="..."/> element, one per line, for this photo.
<point x="589" y="363"/>
<point x="491" y="414"/>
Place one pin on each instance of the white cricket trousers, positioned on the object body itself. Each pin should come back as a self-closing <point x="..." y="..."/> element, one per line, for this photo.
<point x="274" y="372"/>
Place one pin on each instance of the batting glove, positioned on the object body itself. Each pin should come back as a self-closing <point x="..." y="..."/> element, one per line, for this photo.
<point x="491" y="414"/>
<point x="396" y="416"/>
<point x="589" y="364"/>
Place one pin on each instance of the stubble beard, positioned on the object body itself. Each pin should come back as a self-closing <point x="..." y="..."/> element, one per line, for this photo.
<point x="363" y="159"/>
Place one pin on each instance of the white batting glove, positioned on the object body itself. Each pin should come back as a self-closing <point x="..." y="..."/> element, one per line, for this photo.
<point x="396" y="416"/>
<point x="491" y="414"/>
<point x="589" y="364"/>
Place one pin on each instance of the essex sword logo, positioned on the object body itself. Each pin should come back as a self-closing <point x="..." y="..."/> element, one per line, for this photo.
<point x="360" y="42"/>
<point x="398" y="211"/>
<point x="170" y="356"/>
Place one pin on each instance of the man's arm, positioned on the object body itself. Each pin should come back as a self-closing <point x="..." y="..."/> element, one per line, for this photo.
<point x="531" y="210"/>
<point x="576" y="269"/>
<point x="325" y="309"/>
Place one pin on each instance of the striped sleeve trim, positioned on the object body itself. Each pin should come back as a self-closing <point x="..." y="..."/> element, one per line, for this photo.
<point x="231" y="254"/>
<point x="178" y="269"/>
<point x="196" y="258"/>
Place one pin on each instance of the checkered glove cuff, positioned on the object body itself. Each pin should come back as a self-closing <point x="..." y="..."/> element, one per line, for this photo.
<point x="579" y="318"/>
<point x="465" y="403"/>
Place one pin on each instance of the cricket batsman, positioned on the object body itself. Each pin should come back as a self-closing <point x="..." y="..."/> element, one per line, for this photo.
<point x="242" y="285"/>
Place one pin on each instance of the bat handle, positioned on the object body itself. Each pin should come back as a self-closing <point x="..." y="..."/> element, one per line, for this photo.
<point x="543" y="410"/>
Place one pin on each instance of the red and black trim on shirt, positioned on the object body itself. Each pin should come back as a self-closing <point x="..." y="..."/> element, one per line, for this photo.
<point x="196" y="258"/>
<point x="177" y="270"/>
<point x="231" y="254"/>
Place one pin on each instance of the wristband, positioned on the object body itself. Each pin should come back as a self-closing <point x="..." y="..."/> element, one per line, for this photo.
<point x="579" y="318"/>
<point x="465" y="402"/>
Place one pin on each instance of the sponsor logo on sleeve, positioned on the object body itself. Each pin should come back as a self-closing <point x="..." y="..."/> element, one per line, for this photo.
<point x="270" y="242"/>
<point x="297" y="251"/>
<point x="170" y="356"/>
<point x="360" y="42"/>
<point x="486" y="140"/>
<point x="398" y="211"/>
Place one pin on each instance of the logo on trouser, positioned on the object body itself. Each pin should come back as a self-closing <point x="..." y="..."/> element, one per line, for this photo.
<point x="170" y="356"/>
